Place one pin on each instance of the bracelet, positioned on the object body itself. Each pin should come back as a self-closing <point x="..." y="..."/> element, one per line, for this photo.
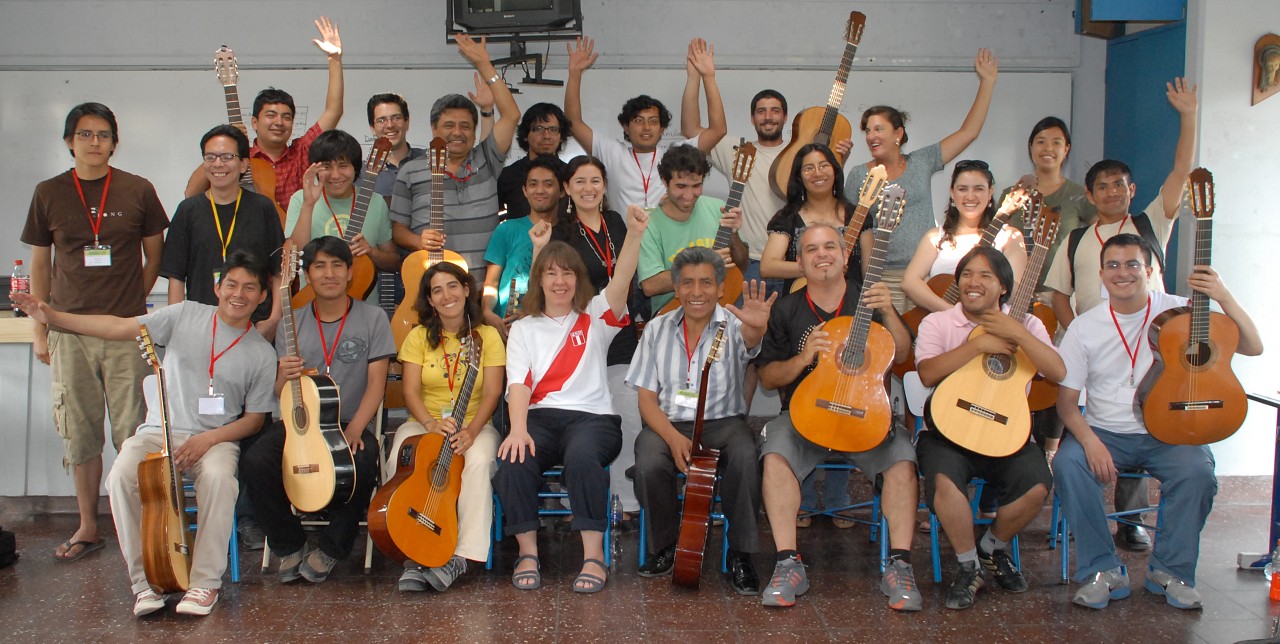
<point x="488" y="114"/>
<point x="492" y="79"/>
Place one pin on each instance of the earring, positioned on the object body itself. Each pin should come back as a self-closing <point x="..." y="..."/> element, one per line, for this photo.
<point x="897" y="141"/>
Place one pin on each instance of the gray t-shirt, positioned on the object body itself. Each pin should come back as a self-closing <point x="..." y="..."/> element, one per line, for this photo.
<point x="366" y="337"/>
<point x="244" y="376"/>
<point x="917" y="218"/>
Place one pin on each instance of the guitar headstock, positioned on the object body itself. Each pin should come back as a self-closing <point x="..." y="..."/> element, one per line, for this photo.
<point x="872" y="186"/>
<point x="1046" y="223"/>
<point x="853" y="30"/>
<point x="378" y="156"/>
<point x="1200" y="187"/>
<point x="290" y="263"/>
<point x="439" y="154"/>
<point x="743" y="161"/>
<point x="148" y="348"/>
<point x="224" y="62"/>
<point x="893" y="201"/>
<point x="714" y="354"/>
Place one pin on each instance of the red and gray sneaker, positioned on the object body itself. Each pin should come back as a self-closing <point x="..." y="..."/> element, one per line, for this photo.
<point x="898" y="583"/>
<point x="788" y="582"/>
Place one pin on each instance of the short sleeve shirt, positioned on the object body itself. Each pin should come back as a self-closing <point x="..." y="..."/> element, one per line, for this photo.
<point x="664" y="238"/>
<point x="917" y="219"/>
<point x="633" y="176"/>
<point x="291" y="165"/>
<point x="511" y="248"/>
<point x="563" y="359"/>
<point x="759" y="203"/>
<point x="442" y="374"/>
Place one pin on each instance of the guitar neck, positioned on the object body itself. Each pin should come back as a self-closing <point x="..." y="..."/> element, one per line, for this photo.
<point x="862" y="318"/>
<point x="698" y="449"/>
<point x="854" y="228"/>
<point x="436" y="221"/>
<point x="1020" y="301"/>
<point x="235" y="118"/>
<point x="988" y="239"/>
<point x="1200" y="301"/>
<point x="290" y="340"/>
<point x="387" y="292"/>
<point x="724" y="235"/>
<point x="360" y="207"/>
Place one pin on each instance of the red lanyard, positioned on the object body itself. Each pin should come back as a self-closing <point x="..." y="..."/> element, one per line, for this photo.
<point x="213" y="342"/>
<point x="334" y="215"/>
<point x="1133" y="355"/>
<point x="470" y="173"/>
<point x="815" y="309"/>
<point x="604" y="252"/>
<point x="324" y="345"/>
<point x="451" y="372"/>
<point x="644" y="179"/>
<point x="102" y="205"/>
<point x="1099" y="236"/>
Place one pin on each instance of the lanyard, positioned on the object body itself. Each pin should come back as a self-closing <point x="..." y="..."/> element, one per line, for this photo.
<point x="644" y="179"/>
<point x="815" y="309"/>
<point x="1099" y="235"/>
<point x="102" y="205"/>
<point x="325" y="349"/>
<point x="467" y="168"/>
<point x="604" y="253"/>
<point x="451" y="372"/>
<point x="217" y="223"/>
<point x="214" y="358"/>
<point x="1133" y="355"/>
<point x="336" y="224"/>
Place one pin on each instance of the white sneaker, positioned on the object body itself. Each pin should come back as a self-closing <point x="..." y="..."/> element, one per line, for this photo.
<point x="147" y="602"/>
<point x="1175" y="591"/>
<point x="198" y="601"/>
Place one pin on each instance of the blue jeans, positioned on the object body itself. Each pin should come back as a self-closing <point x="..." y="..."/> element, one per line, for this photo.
<point x="1187" y="488"/>
<point x="835" y="490"/>
<point x="753" y="273"/>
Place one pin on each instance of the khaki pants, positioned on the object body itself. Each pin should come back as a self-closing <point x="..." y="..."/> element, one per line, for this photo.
<point x="86" y="371"/>
<point x="892" y="277"/>
<point x="216" y="492"/>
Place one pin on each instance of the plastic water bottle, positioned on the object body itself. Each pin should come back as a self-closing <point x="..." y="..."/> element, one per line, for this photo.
<point x="615" y="532"/>
<point x="19" y="282"/>
<point x="1269" y="570"/>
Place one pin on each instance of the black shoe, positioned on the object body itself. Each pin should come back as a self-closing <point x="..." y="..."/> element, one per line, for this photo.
<point x="659" y="565"/>
<point x="965" y="587"/>
<point x="1132" y="537"/>
<point x="742" y="573"/>
<point x="1000" y="566"/>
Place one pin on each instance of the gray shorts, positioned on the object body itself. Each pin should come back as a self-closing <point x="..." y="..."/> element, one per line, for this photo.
<point x="781" y="437"/>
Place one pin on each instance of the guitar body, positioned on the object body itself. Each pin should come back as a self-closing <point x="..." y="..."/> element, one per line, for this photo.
<point x="982" y="406"/>
<point x="695" y="522"/>
<point x="363" y="276"/>
<point x="166" y="541"/>
<point x="1044" y="393"/>
<point x="939" y="284"/>
<point x="806" y="128"/>
<point x="732" y="291"/>
<point x="264" y="182"/>
<point x="845" y="406"/>
<point x="1190" y="395"/>
<point x="411" y="271"/>
<point x="317" y="466"/>
<point x="414" y="516"/>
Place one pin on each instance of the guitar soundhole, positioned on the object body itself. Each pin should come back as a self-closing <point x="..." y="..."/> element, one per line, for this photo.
<point x="1198" y="354"/>
<point x="300" y="417"/>
<point x="998" y="365"/>
<point x="851" y="359"/>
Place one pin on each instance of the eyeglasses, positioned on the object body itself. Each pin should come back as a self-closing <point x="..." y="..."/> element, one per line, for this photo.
<point x="971" y="164"/>
<point x="225" y="157"/>
<point x="810" y="168"/>
<point x="89" y="135"/>
<point x="549" y="129"/>
<point x="1131" y="265"/>
<point x="640" y="120"/>
<point x="393" y="118"/>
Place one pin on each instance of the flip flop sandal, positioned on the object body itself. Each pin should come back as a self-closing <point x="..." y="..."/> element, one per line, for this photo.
<point x="86" y="547"/>
<point x="527" y="575"/>
<point x="594" y="583"/>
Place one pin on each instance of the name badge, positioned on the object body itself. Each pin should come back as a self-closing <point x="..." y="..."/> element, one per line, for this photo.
<point x="446" y="412"/>
<point x="1126" y="392"/>
<point x="687" y="398"/>
<point x="97" y="255"/>
<point x="212" y="405"/>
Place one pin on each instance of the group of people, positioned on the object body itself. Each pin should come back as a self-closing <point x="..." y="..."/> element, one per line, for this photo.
<point x="582" y="370"/>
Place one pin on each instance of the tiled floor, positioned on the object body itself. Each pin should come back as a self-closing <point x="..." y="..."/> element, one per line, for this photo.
<point x="45" y="601"/>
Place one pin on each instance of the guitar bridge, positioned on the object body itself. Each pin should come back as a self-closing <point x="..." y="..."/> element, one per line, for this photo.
<point x="306" y="469"/>
<point x="424" y="520"/>
<point x="1195" y="405"/>
<point x="842" y="409"/>
<point x="983" y="412"/>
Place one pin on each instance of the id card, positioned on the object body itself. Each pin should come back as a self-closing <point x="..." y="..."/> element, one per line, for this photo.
<point x="686" y="398"/>
<point x="97" y="255"/>
<point x="446" y="412"/>
<point x="212" y="405"/>
<point x="1127" y="392"/>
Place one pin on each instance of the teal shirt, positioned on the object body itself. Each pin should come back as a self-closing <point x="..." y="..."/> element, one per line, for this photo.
<point x="511" y="248"/>
<point x="664" y="238"/>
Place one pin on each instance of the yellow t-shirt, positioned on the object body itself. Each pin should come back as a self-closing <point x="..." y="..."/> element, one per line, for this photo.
<point x="436" y="394"/>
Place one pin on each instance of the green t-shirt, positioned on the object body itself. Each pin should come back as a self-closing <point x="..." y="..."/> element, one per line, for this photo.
<point x="376" y="229"/>
<point x="664" y="238"/>
<point x="1074" y="211"/>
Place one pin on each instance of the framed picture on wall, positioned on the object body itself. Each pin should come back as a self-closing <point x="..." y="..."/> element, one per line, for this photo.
<point x="1266" y="67"/>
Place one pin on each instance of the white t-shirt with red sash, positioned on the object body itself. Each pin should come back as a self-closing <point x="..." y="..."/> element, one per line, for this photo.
<point x="564" y="360"/>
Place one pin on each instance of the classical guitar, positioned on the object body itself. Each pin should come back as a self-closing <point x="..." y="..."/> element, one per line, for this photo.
<point x="317" y="466"/>
<point x="821" y="124"/>
<point x="1044" y="393"/>
<point x="699" y="487"/>
<point x="870" y="191"/>
<point x="1190" y="395"/>
<point x="414" y="516"/>
<point x="842" y="404"/>
<point x="982" y="406"/>
<point x="261" y="176"/>
<point x="743" y="162"/>
<point x="363" y="272"/>
<point x="416" y="264"/>
<point x="166" y="540"/>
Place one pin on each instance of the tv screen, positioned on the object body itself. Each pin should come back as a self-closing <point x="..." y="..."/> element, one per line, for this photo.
<point x="514" y="16"/>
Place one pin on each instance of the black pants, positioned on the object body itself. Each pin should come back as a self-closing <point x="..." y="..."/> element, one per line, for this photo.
<point x="585" y="444"/>
<point x="739" y="469"/>
<point x="260" y="469"/>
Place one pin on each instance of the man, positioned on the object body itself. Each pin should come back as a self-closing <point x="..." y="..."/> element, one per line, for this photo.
<point x="684" y="218"/>
<point x="543" y="131"/>
<point x="790" y="350"/>
<point x="668" y="392"/>
<point x="1109" y="187"/>
<point x="209" y="226"/>
<point x="1106" y="352"/>
<point x="643" y="120"/>
<point x="96" y="236"/>
<point x="349" y="341"/>
<point x="471" y="183"/>
<point x="272" y="123"/>
<point x="218" y="373"/>
<point x="510" y="251"/>
<point x="1021" y="480"/>
<point x="389" y="117"/>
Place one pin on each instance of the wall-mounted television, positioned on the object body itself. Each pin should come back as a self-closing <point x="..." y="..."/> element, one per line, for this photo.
<point x="515" y="16"/>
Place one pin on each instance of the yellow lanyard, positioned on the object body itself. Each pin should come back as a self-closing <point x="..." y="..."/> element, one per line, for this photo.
<point x="217" y="223"/>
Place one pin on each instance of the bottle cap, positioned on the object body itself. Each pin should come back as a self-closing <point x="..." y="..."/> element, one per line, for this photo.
<point x="17" y="262"/>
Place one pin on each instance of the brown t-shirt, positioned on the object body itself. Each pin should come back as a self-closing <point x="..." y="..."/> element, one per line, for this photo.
<point x="57" y="218"/>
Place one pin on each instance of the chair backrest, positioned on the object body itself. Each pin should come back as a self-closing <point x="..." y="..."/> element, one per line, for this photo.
<point x="916" y="393"/>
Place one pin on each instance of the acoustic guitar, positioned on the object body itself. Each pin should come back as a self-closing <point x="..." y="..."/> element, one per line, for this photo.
<point x="363" y="272"/>
<point x="414" y="516"/>
<point x="699" y="486"/>
<point x="417" y="263"/>
<point x="868" y="194"/>
<point x="982" y="406"/>
<point x="318" y="467"/>
<point x="1190" y="396"/>
<point x="743" y="162"/>
<point x="166" y="539"/>
<point x="842" y="404"/>
<point x="821" y="124"/>
<point x="261" y="175"/>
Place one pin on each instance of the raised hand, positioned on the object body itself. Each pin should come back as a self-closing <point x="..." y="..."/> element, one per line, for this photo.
<point x="540" y="234"/>
<point x="329" y="41"/>
<point x="474" y="52"/>
<point x="986" y="65"/>
<point x="312" y="191"/>
<point x="637" y="219"/>
<point x="582" y="54"/>
<point x="755" y="306"/>
<point x="1182" y="96"/>
<point x="702" y="56"/>
<point x="483" y="96"/>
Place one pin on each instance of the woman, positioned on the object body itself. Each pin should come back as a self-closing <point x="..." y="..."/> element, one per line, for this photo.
<point x="885" y="129"/>
<point x="434" y="360"/>
<point x="968" y="215"/>
<point x="561" y="412"/>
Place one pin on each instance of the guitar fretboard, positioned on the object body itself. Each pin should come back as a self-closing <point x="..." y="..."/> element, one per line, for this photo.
<point x="234" y="118"/>
<point x="836" y="98"/>
<point x="436" y="221"/>
<point x="1200" y="301"/>
<point x="862" y="318"/>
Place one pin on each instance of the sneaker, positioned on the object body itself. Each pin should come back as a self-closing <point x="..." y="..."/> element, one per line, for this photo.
<point x="316" y="566"/>
<point x="198" y="601"/>
<point x="440" y="578"/>
<point x="1175" y="591"/>
<point x="965" y="588"/>
<point x="147" y="602"/>
<point x="1106" y="586"/>
<point x="1001" y="568"/>
<point x="788" y="582"/>
<point x="412" y="580"/>
<point x="289" y="565"/>
<point x="251" y="535"/>
<point x="899" y="584"/>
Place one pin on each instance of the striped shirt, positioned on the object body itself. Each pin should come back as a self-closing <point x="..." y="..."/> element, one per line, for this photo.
<point x="470" y="201"/>
<point x="662" y="364"/>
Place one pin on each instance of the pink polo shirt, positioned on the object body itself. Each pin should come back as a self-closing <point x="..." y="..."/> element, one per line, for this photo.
<point x="943" y="331"/>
